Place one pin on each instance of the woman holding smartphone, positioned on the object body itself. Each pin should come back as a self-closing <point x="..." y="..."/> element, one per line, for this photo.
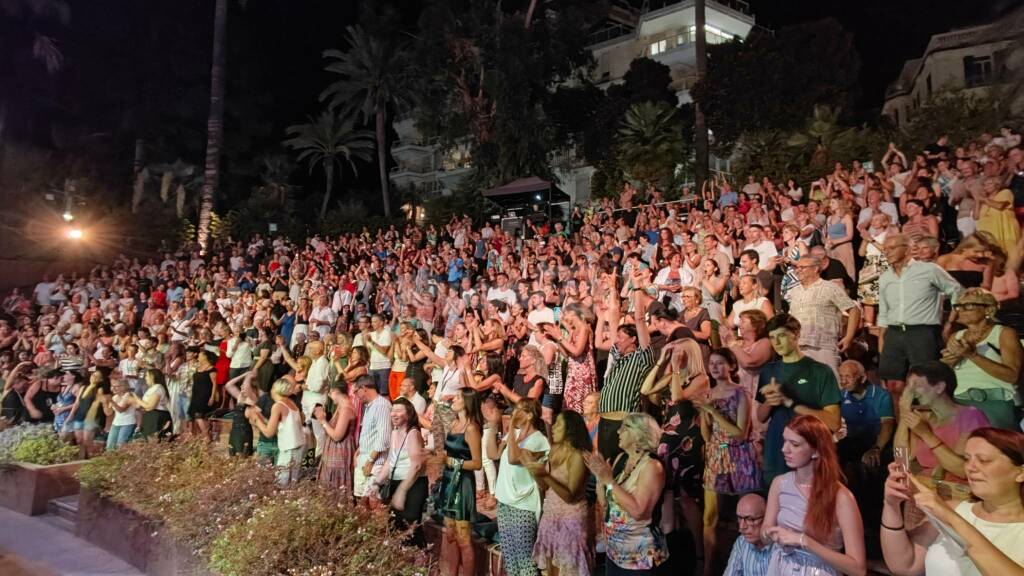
<point x="978" y="536"/>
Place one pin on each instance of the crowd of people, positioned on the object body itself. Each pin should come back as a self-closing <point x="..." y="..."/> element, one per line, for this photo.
<point x="833" y="376"/>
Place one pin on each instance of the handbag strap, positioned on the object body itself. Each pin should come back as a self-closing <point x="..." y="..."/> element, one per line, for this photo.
<point x="391" y="475"/>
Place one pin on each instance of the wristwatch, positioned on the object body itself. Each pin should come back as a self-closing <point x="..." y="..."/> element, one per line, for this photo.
<point x="788" y="403"/>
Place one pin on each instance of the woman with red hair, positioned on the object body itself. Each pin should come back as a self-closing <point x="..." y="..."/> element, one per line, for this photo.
<point x="811" y="517"/>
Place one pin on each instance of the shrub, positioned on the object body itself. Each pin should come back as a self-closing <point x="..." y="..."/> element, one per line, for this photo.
<point x="310" y="530"/>
<point x="229" y="511"/>
<point x="34" y="444"/>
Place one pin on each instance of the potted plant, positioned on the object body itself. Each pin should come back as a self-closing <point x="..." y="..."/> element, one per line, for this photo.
<point x="35" y="467"/>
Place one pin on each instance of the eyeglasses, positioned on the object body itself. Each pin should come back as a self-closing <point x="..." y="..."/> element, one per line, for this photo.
<point x="749" y="519"/>
<point x="970" y="306"/>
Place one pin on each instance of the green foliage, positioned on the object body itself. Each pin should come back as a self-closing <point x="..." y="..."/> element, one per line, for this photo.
<point x="485" y="72"/>
<point x="808" y="153"/>
<point x="374" y="73"/>
<point x="45" y="450"/>
<point x="771" y="81"/>
<point x="650" y="144"/>
<point x="313" y="530"/>
<point x="326" y="142"/>
<point x="959" y="115"/>
<point x="34" y="444"/>
<point x="352" y="216"/>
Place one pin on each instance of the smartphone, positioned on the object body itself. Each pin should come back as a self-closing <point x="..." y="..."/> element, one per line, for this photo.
<point x="558" y="313"/>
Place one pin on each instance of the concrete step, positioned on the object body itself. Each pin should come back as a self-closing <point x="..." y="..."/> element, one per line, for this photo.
<point x="58" y="522"/>
<point x="65" y="508"/>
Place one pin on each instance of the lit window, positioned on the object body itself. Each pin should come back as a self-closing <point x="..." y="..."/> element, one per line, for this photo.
<point x="658" y="47"/>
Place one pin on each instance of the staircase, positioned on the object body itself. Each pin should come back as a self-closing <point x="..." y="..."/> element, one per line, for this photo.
<point x="62" y="513"/>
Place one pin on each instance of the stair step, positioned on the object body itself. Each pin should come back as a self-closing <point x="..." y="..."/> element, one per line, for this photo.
<point x="59" y="522"/>
<point x="65" y="508"/>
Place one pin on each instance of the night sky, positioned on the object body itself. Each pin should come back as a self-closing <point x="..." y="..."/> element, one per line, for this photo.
<point x="119" y="53"/>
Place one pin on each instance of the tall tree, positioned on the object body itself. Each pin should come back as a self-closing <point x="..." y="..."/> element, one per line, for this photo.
<point x="772" y="82"/>
<point x="374" y="74"/>
<point x="700" y="127"/>
<point x="328" y="142"/>
<point x="215" y="123"/>
<point x="485" y="70"/>
<point x="650" y="144"/>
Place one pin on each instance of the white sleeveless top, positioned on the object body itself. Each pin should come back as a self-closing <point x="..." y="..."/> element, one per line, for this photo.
<point x="289" y="430"/>
<point x="946" y="558"/>
<point x="969" y="375"/>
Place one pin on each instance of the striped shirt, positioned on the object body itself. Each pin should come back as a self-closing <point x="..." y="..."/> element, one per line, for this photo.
<point x="375" y="434"/>
<point x="748" y="560"/>
<point x="625" y="376"/>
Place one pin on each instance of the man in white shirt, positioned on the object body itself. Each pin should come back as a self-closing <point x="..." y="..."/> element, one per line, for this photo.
<point x="377" y="341"/>
<point x="323" y="317"/>
<point x="43" y="291"/>
<point x="765" y="248"/>
<point x="315" y="389"/>
<point x="539" y="313"/>
<point x="501" y="291"/>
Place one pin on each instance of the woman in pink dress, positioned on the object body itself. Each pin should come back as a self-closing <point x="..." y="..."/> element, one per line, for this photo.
<point x="581" y="376"/>
<point x="562" y="533"/>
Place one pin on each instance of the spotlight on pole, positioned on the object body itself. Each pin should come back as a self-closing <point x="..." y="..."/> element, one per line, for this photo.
<point x="68" y="216"/>
<point x="75" y="233"/>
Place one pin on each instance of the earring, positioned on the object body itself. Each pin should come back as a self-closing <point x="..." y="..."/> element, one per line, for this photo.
<point x="814" y="456"/>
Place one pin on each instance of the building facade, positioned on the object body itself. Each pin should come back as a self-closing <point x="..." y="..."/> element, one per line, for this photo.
<point x="978" y="60"/>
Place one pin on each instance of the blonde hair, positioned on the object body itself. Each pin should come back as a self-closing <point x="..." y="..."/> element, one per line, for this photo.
<point x="645" y="430"/>
<point x="282" y="387"/>
<point x="539" y="365"/>
<point x="694" y="356"/>
<point x="304" y="363"/>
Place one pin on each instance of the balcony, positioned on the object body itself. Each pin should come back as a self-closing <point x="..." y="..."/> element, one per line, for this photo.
<point x="735" y="5"/>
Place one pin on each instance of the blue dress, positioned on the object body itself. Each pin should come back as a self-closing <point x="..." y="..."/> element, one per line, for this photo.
<point x="65" y="398"/>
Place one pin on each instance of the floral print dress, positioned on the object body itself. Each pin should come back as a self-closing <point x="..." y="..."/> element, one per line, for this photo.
<point x="730" y="465"/>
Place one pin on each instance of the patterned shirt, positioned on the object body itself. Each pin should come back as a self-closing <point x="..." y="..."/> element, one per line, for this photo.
<point x="914" y="297"/>
<point x="625" y="376"/>
<point x="748" y="560"/>
<point x="819" y="308"/>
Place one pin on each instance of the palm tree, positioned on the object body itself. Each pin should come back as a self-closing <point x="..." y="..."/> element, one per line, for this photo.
<point x="22" y="39"/>
<point x="650" y="143"/>
<point x="214" y="123"/>
<point x="700" y="139"/>
<point x="325" y="142"/>
<point x="373" y="74"/>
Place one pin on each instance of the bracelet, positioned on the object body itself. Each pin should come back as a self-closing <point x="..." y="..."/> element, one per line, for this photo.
<point x="892" y="528"/>
<point x="802" y="545"/>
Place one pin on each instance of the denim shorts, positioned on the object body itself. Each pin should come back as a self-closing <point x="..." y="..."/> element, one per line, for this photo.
<point x="553" y="401"/>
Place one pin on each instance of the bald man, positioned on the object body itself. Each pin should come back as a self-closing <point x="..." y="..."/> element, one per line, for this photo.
<point x="749" y="555"/>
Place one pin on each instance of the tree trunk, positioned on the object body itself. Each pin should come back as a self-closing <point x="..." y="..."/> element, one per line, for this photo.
<point x="214" y="124"/>
<point x="382" y="158"/>
<point x="179" y="200"/>
<point x="529" y="13"/>
<point x="139" y="188"/>
<point x="165" y="185"/>
<point x="329" y="176"/>
<point x="699" y="126"/>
